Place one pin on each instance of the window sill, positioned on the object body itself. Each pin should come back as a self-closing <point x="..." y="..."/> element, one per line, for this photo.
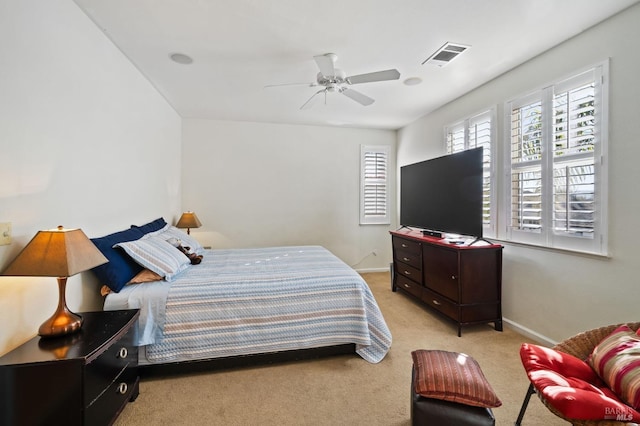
<point x="552" y="249"/>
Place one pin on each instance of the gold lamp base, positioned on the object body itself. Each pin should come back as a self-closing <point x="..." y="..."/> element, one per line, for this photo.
<point x="63" y="321"/>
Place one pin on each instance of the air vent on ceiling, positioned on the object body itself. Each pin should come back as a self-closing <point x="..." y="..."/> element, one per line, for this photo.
<point x="447" y="53"/>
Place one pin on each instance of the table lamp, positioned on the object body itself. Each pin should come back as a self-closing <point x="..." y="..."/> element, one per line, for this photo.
<point x="57" y="253"/>
<point x="188" y="220"/>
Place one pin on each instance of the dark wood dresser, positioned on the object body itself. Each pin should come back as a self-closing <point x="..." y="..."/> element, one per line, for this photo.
<point x="463" y="283"/>
<point x="85" y="378"/>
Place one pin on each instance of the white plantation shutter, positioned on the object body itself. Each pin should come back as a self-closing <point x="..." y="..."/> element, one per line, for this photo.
<point x="574" y="169"/>
<point x="474" y="132"/>
<point x="557" y="164"/>
<point x="480" y="135"/>
<point x="526" y="178"/>
<point x="374" y="185"/>
<point x="455" y="138"/>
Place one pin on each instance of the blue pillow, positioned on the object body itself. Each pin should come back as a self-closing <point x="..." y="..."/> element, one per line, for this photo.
<point x="121" y="268"/>
<point x="155" y="225"/>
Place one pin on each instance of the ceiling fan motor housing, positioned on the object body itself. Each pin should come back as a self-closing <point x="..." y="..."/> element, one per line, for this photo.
<point x="328" y="80"/>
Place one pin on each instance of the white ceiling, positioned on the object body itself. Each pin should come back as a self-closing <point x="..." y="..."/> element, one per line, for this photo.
<point x="240" y="46"/>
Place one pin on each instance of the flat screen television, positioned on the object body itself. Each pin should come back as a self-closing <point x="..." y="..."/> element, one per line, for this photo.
<point x="443" y="195"/>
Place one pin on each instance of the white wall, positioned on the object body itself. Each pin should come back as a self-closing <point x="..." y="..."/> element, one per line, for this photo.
<point x="255" y="184"/>
<point x="551" y="294"/>
<point x="85" y="142"/>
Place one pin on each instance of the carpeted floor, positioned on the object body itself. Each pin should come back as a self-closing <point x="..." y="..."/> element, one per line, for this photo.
<point x="342" y="390"/>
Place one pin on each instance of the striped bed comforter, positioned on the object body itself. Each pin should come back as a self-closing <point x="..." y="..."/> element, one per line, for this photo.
<point x="249" y="301"/>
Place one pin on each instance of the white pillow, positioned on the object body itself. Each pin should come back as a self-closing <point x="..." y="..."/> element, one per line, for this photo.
<point x="156" y="254"/>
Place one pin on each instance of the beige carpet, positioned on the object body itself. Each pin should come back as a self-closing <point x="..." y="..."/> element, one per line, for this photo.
<point x="343" y="390"/>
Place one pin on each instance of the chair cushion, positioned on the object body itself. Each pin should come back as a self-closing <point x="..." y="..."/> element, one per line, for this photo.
<point x="616" y="359"/>
<point x="452" y="376"/>
<point x="571" y="386"/>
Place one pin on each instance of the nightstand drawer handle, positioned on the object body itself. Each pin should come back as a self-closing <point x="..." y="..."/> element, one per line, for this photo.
<point x="407" y="272"/>
<point x="407" y="286"/>
<point x="122" y="388"/>
<point x="404" y="246"/>
<point x="406" y="259"/>
<point x="123" y="353"/>
<point x="435" y="302"/>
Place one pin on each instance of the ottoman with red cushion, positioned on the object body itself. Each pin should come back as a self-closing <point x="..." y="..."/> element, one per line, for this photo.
<point x="449" y="388"/>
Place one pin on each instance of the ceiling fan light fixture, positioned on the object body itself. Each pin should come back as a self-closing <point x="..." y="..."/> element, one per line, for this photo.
<point x="181" y="58"/>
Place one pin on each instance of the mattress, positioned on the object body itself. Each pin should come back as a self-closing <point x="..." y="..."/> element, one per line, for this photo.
<point x="252" y="301"/>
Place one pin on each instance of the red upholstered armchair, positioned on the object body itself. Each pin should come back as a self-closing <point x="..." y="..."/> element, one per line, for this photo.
<point x="566" y="383"/>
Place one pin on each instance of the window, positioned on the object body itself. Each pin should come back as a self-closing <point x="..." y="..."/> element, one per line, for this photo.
<point x="473" y="132"/>
<point x="556" y="168"/>
<point x="374" y="185"/>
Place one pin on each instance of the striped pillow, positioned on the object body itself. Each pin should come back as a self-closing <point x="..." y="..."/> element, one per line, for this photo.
<point x="168" y="232"/>
<point x="157" y="255"/>
<point x="452" y="376"/>
<point x="186" y="240"/>
<point x="616" y="360"/>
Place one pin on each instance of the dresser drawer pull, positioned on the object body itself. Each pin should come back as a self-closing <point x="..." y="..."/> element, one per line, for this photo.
<point x="453" y="277"/>
<point x="407" y="285"/>
<point x="123" y="353"/>
<point x="406" y="272"/>
<point x="404" y="245"/>
<point x="122" y="388"/>
<point x="435" y="302"/>
<point x="406" y="259"/>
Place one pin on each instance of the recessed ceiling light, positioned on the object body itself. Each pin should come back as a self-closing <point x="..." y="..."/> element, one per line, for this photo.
<point x="181" y="58"/>
<point x="412" y="81"/>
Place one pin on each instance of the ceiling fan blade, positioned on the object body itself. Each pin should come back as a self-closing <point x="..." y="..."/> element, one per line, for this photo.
<point x="374" y="76"/>
<point x="357" y="96"/>
<point x="325" y="64"/>
<point x="291" y="84"/>
<point x="308" y="103"/>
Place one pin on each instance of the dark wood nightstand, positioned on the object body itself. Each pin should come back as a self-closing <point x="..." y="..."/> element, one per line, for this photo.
<point x="83" y="378"/>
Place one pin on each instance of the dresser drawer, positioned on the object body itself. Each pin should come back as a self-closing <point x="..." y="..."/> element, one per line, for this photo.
<point x="440" y="303"/>
<point x="410" y="272"/>
<point x="412" y="247"/>
<point x="409" y="258"/>
<point x="113" y="399"/>
<point x="102" y="371"/>
<point x="409" y="286"/>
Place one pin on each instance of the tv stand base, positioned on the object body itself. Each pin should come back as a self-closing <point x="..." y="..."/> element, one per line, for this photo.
<point x="463" y="283"/>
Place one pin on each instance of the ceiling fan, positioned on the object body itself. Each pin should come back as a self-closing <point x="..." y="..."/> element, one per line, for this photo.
<point x="332" y="79"/>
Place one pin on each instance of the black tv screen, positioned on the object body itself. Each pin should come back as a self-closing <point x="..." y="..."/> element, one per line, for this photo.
<point x="444" y="194"/>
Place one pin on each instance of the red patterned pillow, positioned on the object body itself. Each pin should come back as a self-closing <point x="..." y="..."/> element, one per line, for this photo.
<point x="452" y="376"/>
<point x="616" y="360"/>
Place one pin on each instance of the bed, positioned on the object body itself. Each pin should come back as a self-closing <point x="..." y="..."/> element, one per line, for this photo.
<point x="239" y="302"/>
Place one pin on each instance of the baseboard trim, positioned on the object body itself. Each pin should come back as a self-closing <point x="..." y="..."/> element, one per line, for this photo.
<point x="542" y="339"/>
<point x="364" y="271"/>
